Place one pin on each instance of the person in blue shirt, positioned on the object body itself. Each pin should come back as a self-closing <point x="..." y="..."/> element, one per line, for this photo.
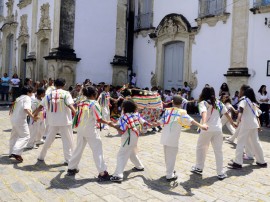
<point x="5" y="86"/>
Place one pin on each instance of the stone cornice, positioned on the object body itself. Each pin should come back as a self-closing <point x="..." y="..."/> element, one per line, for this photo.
<point x="260" y="9"/>
<point x="24" y="3"/>
<point x="212" y="20"/>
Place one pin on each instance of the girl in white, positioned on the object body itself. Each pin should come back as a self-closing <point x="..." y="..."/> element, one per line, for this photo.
<point x="211" y="109"/>
<point x="263" y="99"/>
<point x="20" y="130"/>
<point x="225" y="99"/>
<point x="248" y="129"/>
<point x="86" y="118"/>
<point x="173" y="120"/>
<point x="104" y="101"/>
<point x="129" y="126"/>
<point x="37" y="129"/>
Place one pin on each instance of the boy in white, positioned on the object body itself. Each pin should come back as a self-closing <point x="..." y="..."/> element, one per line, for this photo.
<point x="88" y="114"/>
<point x="20" y="130"/>
<point x="104" y="101"/>
<point x="58" y="105"/>
<point x="248" y="132"/>
<point x="211" y="110"/>
<point x="128" y="125"/>
<point x="173" y="120"/>
<point x="37" y="128"/>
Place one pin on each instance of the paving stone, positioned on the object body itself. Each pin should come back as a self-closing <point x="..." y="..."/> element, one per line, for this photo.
<point x="18" y="187"/>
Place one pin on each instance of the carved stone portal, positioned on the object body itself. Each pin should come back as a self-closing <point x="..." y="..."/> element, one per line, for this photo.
<point x="23" y="27"/>
<point x="45" y="22"/>
<point x="172" y="29"/>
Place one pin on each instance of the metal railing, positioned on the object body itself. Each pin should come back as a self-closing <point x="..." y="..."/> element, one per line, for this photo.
<point x="211" y="7"/>
<point x="259" y="3"/>
<point x="143" y="21"/>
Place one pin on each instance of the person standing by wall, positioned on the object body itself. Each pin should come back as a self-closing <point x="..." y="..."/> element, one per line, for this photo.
<point x="15" y="83"/>
<point x="263" y="99"/>
<point x="5" y="86"/>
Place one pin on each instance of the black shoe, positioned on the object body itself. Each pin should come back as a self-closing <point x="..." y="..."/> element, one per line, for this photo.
<point x="233" y="165"/>
<point x="72" y="172"/>
<point x="65" y="163"/>
<point x="116" y="179"/>
<point x="262" y="165"/>
<point x="105" y="177"/>
<point x="196" y="170"/>
<point x="172" y="179"/>
<point x="154" y="130"/>
<point x="137" y="169"/>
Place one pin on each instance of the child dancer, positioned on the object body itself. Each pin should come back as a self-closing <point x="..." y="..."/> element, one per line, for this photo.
<point x="88" y="114"/>
<point x="20" y="130"/>
<point x="58" y="105"/>
<point x="173" y="120"/>
<point x="211" y="110"/>
<point x="104" y="101"/>
<point x="248" y="129"/>
<point x="225" y="99"/>
<point x="37" y="129"/>
<point x="129" y="124"/>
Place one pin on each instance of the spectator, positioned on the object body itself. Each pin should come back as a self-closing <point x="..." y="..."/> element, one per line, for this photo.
<point x="263" y="100"/>
<point x="5" y="86"/>
<point x="15" y="83"/>
<point x="224" y="89"/>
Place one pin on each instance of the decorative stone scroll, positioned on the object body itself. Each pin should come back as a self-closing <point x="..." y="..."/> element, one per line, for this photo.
<point x="24" y="3"/>
<point x="10" y="15"/>
<point x="45" y="22"/>
<point x="23" y="27"/>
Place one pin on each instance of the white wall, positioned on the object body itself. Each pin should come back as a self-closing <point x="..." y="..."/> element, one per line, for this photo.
<point x="258" y="51"/>
<point x="95" y="34"/>
<point x="210" y="54"/>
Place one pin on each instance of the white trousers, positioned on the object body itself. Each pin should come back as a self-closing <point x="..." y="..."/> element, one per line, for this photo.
<point x="18" y="139"/>
<point x="95" y="144"/>
<point x="67" y="140"/>
<point x="225" y="121"/>
<point x="37" y="130"/>
<point x="170" y="154"/>
<point x="127" y="151"/>
<point x="105" y="114"/>
<point x="248" y="137"/>
<point x="204" y="140"/>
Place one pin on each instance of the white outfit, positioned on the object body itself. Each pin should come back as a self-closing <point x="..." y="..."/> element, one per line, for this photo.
<point x="37" y="128"/>
<point x="104" y="101"/>
<point x="225" y="121"/>
<point x="248" y="133"/>
<point x="87" y="133"/>
<point x="130" y="123"/>
<point x="59" y="120"/>
<point x="173" y="119"/>
<point x="213" y="135"/>
<point x="20" y="130"/>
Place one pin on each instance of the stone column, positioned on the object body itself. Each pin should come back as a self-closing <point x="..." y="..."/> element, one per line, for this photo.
<point x="120" y="61"/>
<point x="31" y="57"/>
<point x="62" y="59"/>
<point x="237" y="74"/>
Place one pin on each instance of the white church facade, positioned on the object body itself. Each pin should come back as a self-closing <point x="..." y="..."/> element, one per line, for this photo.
<point x="164" y="42"/>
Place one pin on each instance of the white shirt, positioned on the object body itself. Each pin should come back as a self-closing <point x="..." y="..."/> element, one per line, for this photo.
<point x="89" y="112"/>
<point x="56" y="104"/>
<point x="235" y="100"/>
<point x="262" y="97"/>
<point x="186" y="88"/>
<point x="213" y="114"/>
<point x="15" y="82"/>
<point x="249" y="117"/>
<point x="18" y="115"/>
<point x="173" y="119"/>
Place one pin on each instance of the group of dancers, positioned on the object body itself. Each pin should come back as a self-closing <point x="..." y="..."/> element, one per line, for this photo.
<point x="54" y="112"/>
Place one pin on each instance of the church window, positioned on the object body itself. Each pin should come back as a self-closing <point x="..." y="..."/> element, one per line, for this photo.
<point x="144" y="19"/>
<point x="209" y="8"/>
<point x="1" y="7"/>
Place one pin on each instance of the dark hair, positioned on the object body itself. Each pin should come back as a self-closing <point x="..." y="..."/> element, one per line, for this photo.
<point x="60" y="82"/>
<point x="224" y="87"/>
<point x="228" y="100"/>
<point x="249" y="93"/>
<point x="26" y="89"/>
<point x="26" y="80"/>
<point x="129" y="106"/>
<point x="244" y="87"/>
<point x="40" y="91"/>
<point x="260" y="90"/>
<point x="177" y="100"/>
<point x="89" y="91"/>
<point x="208" y="94"/>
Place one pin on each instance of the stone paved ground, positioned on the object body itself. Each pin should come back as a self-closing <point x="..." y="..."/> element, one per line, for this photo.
<point x="34" y="181"/>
